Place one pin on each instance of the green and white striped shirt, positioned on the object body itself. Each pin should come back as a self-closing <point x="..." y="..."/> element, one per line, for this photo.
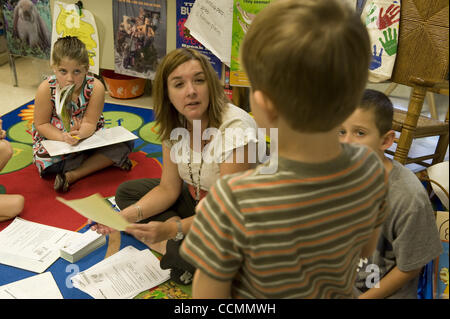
<point x="297" y="233"/>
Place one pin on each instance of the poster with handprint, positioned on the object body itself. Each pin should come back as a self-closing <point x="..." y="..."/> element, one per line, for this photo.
<point x="382" y="19"/>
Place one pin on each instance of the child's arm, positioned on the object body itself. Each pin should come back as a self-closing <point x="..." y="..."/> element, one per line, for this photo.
<point x="390" y="283"/>
<point x="6" y="152"/>
<point x="2" y="131"/>
<point x="93" y="111"/>
<point x="205" y="287"/>
<point x="43" y="114"/>
<point x="369" y="248"/>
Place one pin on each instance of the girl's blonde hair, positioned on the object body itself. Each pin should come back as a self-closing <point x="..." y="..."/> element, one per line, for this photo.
<point x="166" y="116"/>
<point x="71" y="48"/>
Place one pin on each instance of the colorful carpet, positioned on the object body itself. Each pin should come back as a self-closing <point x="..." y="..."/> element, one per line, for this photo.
<point x="20" y="176"/>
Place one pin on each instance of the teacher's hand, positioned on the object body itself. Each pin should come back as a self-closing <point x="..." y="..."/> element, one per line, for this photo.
<point x="101" y="229"/>
<point x="152" y="232"/>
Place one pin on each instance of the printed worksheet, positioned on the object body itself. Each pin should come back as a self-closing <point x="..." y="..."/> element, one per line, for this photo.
<point x="122" y="275"/>
<point x="104" y="137"/>
<point x="32" y="246"/>
<point x="42" y="286"/>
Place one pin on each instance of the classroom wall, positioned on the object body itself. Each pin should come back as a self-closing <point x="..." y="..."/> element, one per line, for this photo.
<point x="102" y="11"/>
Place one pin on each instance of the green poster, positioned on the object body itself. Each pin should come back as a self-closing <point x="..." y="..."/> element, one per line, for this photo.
<point x="244" y="11"/>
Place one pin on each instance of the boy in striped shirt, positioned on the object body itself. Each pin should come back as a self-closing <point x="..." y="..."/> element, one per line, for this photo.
<point x="299" y="232"/>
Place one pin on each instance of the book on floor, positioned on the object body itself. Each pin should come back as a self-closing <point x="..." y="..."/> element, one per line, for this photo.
<point x="82" y="245"/>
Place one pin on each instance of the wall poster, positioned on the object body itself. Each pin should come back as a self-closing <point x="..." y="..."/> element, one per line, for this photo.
<point x="28" y="27"/>
<point x="139" y="36"/>
<point x="70" y="21"/>
<point x="244" y="11"/>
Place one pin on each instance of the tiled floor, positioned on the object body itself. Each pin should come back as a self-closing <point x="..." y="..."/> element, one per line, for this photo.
<point x="30" y="73"/>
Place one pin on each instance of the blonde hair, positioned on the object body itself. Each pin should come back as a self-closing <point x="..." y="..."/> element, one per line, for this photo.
<point x="71" y="48"/>
<point x="311" y="58"/>
<point x="166" y="116"/>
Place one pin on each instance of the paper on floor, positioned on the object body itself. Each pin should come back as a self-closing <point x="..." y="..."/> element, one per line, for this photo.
<point x="32" y="246"/>
<point x="42" y="286"/>
<point x="122" y="275"/>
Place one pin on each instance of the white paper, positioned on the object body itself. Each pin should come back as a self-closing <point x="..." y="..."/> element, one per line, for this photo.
<point x="112" y="200"/>
<point x="78" y="243"/>
<point x="439" y="173"/>
<point x="42" y="286"/>
<point x="122" y="275"/>
<point x="210" y="23"/>
<point x="31" y="246"/>
<point x="100" y="138"/>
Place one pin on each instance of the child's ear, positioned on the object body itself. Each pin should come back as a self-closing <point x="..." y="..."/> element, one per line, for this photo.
<point x="387" y="140"/>
<point x="265" y="104"/>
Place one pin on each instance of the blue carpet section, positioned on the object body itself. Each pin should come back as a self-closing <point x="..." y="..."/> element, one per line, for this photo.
<point x="62" y="270"/>
<point x="11" y="118"/>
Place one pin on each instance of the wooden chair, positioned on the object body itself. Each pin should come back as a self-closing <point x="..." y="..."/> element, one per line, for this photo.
<point x="430" y="99"/>
<point x="422" y="63"/>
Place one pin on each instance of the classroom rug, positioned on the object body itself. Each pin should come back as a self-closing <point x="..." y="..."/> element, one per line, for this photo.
<point x="20" y="176"/>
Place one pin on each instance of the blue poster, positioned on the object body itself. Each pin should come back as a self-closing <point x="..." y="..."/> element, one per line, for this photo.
<point x="186" y="40"/>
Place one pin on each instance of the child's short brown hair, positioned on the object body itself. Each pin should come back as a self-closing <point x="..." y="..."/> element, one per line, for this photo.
<point x="382" y="108"/>
<point x="311" y="58"/>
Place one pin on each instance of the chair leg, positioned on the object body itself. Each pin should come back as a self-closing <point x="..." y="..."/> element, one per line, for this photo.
<point x="390" y="88"/>
<point x="409" y="126"/>
<point x="441" y="149"/>
<point x="432" y="105"/>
